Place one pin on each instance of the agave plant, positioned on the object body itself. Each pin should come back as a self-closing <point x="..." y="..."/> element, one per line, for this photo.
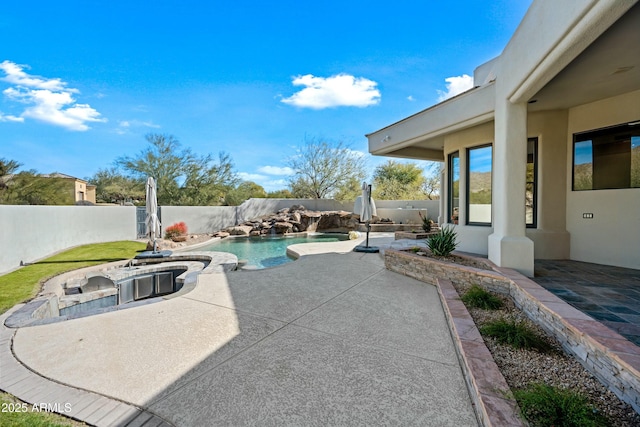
<point x="444" y="242"/>
<point x="426" y="222"/>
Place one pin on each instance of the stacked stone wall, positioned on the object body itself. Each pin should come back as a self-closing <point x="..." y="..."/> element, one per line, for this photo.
<point x="607" y="355"/>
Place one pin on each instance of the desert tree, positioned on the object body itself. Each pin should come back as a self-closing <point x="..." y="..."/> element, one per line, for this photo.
<point x="182" y="177"/>
<point x="323" y="169"/>
<point x="393" y="180"/>
<point x="114" y="187"/>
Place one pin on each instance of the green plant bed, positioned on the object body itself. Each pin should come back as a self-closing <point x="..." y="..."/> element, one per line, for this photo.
<point x="477" y="297"/>
<point x="514" y="333"/>
<point x="23" y="284"/>
<point x="546" y="406"/>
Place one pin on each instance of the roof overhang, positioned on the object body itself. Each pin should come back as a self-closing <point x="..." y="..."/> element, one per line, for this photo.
<point x="421" y="136"/>
<point x="596" y="55"/>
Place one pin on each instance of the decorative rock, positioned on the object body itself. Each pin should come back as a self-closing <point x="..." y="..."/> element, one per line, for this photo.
<point x="283" y="227"/>
<point x="297" y="219"/>
<point x="240" y="230"/>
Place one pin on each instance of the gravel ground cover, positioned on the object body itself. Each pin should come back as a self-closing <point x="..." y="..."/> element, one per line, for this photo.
<point x="522" y="367"/>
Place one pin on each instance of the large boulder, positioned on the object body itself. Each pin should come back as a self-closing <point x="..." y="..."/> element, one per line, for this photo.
<point x="337" y="221"/>
<point x="240" y="230"/>
<point x="309" y="221"/>
<point x="283" y="227"/>
<point x="295" y="217"/>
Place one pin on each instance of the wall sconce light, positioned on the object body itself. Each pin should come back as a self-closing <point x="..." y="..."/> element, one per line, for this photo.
<point x="386" y="138"/>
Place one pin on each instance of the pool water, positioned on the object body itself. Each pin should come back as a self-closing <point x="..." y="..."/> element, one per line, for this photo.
<point x="264" y="252"/>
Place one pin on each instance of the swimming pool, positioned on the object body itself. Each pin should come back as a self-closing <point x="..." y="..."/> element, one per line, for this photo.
<point x="264" y="252"/>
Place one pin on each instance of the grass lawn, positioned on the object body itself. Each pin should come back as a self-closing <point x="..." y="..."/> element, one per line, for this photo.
<point x="23" y="284"/>
<point x="14" y="415"/>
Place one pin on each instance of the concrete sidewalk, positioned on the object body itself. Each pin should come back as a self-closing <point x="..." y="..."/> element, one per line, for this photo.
<point x="331" y="339"/>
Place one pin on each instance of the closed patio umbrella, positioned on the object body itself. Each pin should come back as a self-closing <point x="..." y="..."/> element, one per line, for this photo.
<point x="367" y="209"/>
<point x="152" y="221"/>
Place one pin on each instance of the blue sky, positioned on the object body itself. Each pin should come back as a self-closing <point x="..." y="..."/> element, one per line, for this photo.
<point x="83" y="81"/>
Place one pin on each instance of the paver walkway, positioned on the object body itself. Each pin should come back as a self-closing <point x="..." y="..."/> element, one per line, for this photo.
<point x="611" y="295"/>
<point x="332" y="339"/>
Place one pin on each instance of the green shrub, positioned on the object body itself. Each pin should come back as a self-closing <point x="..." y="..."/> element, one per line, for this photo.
<point x="546" y="406"/>
<point x="444" y="242"/>
<point x="477" y="297"/>
<point x="515" y="334"/>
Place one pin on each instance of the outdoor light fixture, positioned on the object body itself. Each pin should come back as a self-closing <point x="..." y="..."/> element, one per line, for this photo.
<point x="386" y="138"/>
<point x="622" y="70"/>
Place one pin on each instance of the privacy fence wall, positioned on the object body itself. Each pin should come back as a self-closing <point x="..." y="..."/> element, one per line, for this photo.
<point x="29" y="233"/>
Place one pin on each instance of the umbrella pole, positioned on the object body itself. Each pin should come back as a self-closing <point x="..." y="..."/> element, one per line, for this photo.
<point x="368" y="228"/>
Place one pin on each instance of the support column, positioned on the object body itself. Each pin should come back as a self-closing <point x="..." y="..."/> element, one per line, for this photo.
<point x="508" y="245"/>
<point x="444" y="196"/>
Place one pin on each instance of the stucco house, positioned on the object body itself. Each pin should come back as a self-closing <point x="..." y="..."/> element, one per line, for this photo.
<point x="543" y="154"/>
<point x="81" y="190"/>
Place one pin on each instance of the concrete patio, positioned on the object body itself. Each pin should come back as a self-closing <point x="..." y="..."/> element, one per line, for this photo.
<point x="331" y="339"/>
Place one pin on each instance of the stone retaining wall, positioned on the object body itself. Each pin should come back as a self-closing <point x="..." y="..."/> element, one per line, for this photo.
<point x="428" y="270"/>
<point x="610" y="357"/>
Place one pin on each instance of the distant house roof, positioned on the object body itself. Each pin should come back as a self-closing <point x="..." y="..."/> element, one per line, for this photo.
<point x="65" y="176"/>
<point x="59" y="175"/>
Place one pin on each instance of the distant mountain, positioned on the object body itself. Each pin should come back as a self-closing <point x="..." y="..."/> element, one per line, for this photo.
<point x="480" y="181"/>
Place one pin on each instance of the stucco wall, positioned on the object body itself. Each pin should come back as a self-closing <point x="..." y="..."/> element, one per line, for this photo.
<point x="207" y="219"/>
<point x="533" y="57"/>
<point x="551" y="238"/>
<point x="199" y="219"/>
<point x="29" y="233"/>
<point x="612" y="236"/>
<point x="472" y="238"/>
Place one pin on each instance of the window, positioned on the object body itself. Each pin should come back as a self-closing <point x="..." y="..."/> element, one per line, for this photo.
<point x="454" y="186"/>
<point x="479" y="168"/>
<point x="532" y="179"/>
<point x="607" y="158"/>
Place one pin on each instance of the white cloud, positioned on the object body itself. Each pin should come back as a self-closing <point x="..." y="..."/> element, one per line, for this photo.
<point x="16" y="76"/>
<point x="49" y="100"/>
<point x="342" y="90"/>
<point x="252" y="177"/>
<point x="267" y="182"/>
<point x="125" y="125"/>
<point x="10" y="118"/>
<point x="276" y="170"/>
<point x="410" y="98"/>
<point x="455" y="85"/>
